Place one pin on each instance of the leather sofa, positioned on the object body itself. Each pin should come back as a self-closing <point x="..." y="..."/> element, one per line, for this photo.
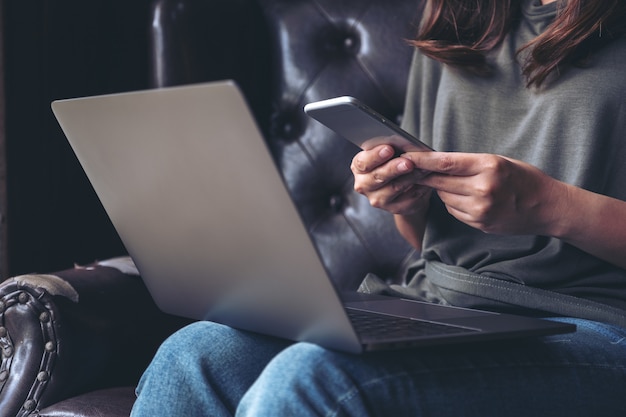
<point x="74" y="342"/>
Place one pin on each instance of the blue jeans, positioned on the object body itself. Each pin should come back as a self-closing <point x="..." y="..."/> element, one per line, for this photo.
<point x="207" y="369"/>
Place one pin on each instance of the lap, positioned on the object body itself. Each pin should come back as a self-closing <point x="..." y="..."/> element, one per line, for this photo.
<point x="556" y="375"/>
<point x="550" y="376"/>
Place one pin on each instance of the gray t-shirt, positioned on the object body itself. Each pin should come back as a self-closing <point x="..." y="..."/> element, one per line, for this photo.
<point x="574" y="130"/>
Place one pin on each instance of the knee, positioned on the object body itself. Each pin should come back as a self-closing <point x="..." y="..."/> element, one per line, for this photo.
<point x="303" y="361"/>
<point x="190" y="345"/>
<point x="297" y="378"/>
<point x="186" y="339"/>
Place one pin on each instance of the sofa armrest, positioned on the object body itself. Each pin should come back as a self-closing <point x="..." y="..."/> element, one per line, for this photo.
<point x="74" y="331"/>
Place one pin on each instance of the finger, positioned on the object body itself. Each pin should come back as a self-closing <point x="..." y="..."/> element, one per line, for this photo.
<point x="451" y="163"/>
<point x="465" y="218"/>
<point x="468" y="211"/>
<point x="404" y="202"/>
<point x="455" y="203"/>
<point x="366" y="161"/>
<point x="383" y="175"/>
<point x="453" y="185"/>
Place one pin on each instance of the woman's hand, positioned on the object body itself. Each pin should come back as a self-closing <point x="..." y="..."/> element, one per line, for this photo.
<point x="494" y="194"/>
<point x="502" y="195"/>
<point x="389" y="183"/>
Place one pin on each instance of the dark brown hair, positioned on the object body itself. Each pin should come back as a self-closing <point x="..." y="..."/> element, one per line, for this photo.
<point x="461" y="32"/>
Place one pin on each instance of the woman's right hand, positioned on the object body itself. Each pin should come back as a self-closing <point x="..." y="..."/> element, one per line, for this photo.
<point x="389" y="182"/>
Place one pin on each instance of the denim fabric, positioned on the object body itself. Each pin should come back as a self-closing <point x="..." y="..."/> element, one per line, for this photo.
<point x="207" y="369"/>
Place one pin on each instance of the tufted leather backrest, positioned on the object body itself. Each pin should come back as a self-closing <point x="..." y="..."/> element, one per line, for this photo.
<point x="285" y="53"/>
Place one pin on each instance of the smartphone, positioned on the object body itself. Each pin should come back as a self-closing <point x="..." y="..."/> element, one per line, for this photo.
<point x="361" y="125"/>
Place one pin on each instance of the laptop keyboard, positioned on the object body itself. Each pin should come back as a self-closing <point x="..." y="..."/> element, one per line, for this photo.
<point x="372" y="325"/>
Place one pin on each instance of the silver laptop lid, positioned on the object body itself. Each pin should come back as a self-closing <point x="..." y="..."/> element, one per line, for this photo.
<point x="189" y="184"/>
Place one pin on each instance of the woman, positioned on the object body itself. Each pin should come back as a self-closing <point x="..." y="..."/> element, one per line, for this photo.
<point x="498" y="82"/>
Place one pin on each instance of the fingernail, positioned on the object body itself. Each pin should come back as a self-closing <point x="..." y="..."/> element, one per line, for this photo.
<point x="385" y="152"/>
<point x="403" y="166"/>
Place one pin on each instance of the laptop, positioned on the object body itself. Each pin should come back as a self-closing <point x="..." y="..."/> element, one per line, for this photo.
<point x="189" y="184"/>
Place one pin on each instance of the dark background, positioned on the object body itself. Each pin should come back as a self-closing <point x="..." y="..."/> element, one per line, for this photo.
<point x="52" y="50"/>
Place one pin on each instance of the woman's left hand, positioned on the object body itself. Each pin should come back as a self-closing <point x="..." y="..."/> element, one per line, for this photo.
<point x="493" y="193"/>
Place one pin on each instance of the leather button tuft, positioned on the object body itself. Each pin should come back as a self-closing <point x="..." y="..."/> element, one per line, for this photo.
<point x="287" y="129"/>
<point x="285" y="125"/>
<point x="50" y="346"/>
<point x="42" y="376"/>
<point x="351" y="43"/>
<point x="341" y="40"/>
<point x="30" y="405"/>
<point x="336" y="203"/>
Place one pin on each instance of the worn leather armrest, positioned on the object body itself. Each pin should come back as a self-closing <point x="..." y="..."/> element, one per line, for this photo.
<point x="108" y="402"/>
<point x="74" y="331"/>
